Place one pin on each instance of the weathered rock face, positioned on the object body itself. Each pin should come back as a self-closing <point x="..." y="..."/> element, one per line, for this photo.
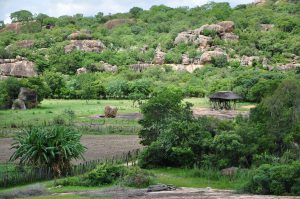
<point x="192" y="37"/>
<point x="25" y="43"/>
<point x="185" y="59"/>
<point x="81" y="71"/>
<point x="27" y="99"/>
<point x="266" y="27"/>
<point x="159" y="57"/>
<point x="249" y="61"/>
<point x="140" y="67"/>
<point x="19" y="67"/>
<point x="116" y="22"/>
<point x="85" y="45"/>
<point x="78" y="35"/>
<point x="229" y="36"/>
<point x="110" y="112"/>
<point x="13" y="27"/>
<point x="260" y="2"/>
<point x="212" y="27"/>
<point x="185" y="68"/>
<point x="207" y="56"/>
<point x="228" y="26"/>
<point x="286" y="67"/>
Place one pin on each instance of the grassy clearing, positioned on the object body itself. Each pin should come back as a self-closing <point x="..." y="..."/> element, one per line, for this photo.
<point x="198" y="178"/>
<point x="50" y="109"/>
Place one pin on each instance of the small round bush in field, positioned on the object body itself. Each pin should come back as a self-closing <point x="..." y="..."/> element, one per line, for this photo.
<point x="136" y="177"/>
<point x="106" y="174"/>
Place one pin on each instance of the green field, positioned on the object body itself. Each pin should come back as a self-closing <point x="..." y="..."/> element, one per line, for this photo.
<point x="84" y="110"/>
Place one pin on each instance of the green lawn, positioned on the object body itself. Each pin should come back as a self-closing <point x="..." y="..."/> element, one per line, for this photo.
<point x="199" y="178"/>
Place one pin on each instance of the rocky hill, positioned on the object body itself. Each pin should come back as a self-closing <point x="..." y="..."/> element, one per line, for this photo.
<point x="258" y="41"/>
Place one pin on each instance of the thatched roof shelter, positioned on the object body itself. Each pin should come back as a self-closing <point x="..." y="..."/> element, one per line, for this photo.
<point x="224" y="100"/>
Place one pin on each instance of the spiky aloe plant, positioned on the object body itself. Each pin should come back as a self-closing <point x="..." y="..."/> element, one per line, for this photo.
<point x="53" y="147"/>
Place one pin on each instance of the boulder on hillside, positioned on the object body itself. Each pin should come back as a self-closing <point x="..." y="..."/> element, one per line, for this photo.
<point x="110" y="112"/>
<point x="185" y="59"/>
<point x="85" y="45"/>
<point x="185" y="37"/>
<point x="228" y="26"/>
<point x="249" y="61"/>
<point x="16" y="27"/>
<point x="207" y="56"/>
<point x="159" y="57"/>
<point x="25" y="43"/>
<point x="212" y="27"/>
<point x="229" y="36"/>
<point x="116" y="22"/>
<point x="19" y="67"/>
<point x="81" y="71"/>
<point x="266" y="27"/>
<point x="203" y="41"/>
<point x="140" y="66"/>
<point x="286" y="67"/>
<point x="79" y="35"/>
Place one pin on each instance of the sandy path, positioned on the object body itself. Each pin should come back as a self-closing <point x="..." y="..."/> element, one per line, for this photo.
<point x="99" y="146"/>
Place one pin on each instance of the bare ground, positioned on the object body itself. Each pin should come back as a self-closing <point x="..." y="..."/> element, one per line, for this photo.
<point x="221" y="114"/>
<point x="99" y="146"/>
<point x="180" y="193"/>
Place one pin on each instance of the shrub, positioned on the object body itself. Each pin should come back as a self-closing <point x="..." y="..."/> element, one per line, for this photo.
<point x="276" y="179"/>
<point x="139" y="178"/>
<point x="106" y="174"/>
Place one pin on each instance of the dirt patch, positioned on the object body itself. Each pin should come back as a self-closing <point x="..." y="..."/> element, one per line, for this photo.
<point x="99" y="146"/>
<point x="248" y="106"/>
<point x="128" y="116"/>
<point x="180" y="193"/>
<point x="221" y="114"/>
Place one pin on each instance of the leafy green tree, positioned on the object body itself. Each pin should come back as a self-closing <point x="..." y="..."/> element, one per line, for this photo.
<point x="55" y="82"/>
<point x="20" y="16"/>
<point x="135" y="11"/>
<point x="117" y="89"/>
<point x="53" y="147"/>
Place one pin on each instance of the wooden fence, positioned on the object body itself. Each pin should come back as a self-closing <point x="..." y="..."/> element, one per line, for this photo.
<point x="30" y="175"/>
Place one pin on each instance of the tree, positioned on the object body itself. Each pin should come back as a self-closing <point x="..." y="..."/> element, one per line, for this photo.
<point x="48" y="147"/>
<point x="20" y="16"/>
<point x="135" y="11"/>
<point x="55" y="82"/>
<point x="163" y="105"/>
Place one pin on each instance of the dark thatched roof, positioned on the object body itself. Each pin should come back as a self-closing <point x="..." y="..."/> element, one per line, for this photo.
<point x="226" y="95"/>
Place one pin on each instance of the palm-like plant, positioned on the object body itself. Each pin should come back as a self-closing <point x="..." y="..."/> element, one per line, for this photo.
<point x="50" y="147"/>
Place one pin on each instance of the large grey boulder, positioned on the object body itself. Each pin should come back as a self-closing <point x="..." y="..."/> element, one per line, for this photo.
<point x="161" y="187"/>
<point x="19" y="67"/>
<point x="249" y="61"/>
<point x="159" y="57"/>
<point x="85" y="45"/>
<point x="228" y="26"/>
<point x="229" y="36"/>
<point x="18" y="105"/>
<point x="207" y="56"/>
<point x="79" y="35"/>
<point x="29" y="97"/>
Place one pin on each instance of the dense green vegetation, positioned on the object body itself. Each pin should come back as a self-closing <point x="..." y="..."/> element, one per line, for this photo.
<point x="159" y="25"/>
<point x="270" y="135"/>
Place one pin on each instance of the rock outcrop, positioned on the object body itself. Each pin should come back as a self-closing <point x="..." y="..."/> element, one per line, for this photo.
<point x="85" y="45"/>
<point x="210" y="27"/>
<point x="16" y="27"/>
<point x="223" y="29"/>
<point x="81" y="71"/>
<point x="228" y="26"/>
<point x="79" y="35"/>
<point x="249" y="61"/>
<point x="185" y="59"/>
<point x="19" y="67"/>
<point x="27" y="99"/>
<point x="286" y="67"/>
<point x="116" y="22"/>
<point x="266" y="27"/>
<point x="159" y="57"/>
<point x="140" y="66"/>
<point x="110" y="112"/>
<point x="207" y="56"/>
<point x="25" y="43"/>
<point x="229" y="36"/>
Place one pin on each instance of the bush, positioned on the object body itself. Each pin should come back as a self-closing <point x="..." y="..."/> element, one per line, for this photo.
<point x="106" y="174"/>
<point x="136" y="177"/>
<point x="276" y="179"/>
